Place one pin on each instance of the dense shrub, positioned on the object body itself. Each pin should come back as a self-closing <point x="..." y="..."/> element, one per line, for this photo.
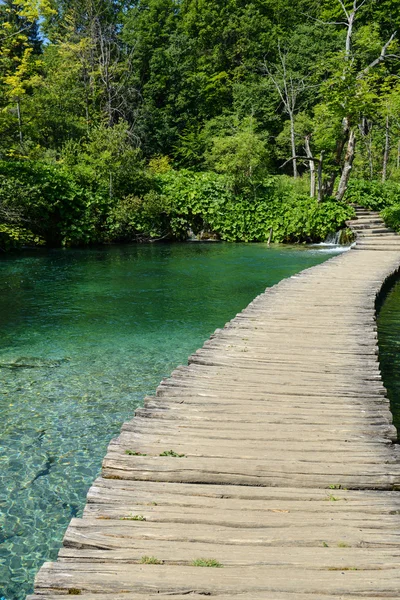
<point x="204" y="202"/>
<point x="391" y="216"/>
<point x="50" y="204"/>
<point x="374" y="195"/>
<point x="14" y="236"/>
<point x="57" y="203"/>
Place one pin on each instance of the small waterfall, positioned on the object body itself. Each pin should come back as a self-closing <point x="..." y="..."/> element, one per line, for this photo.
<point x="333" y="239"/>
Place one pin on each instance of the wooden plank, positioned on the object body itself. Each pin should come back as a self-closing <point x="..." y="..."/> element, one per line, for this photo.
<point x="182" y="553"/>
<point x="92" y="577"/>
<point x="150" y="596"/>
<point x="284" y="530"/>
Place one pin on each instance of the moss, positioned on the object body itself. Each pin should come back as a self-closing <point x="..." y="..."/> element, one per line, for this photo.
<point x="172" y="453"/>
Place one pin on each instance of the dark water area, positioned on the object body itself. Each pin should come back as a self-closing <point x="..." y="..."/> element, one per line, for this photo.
<point x="84" y="336"/>
<point x="389" y="348"/>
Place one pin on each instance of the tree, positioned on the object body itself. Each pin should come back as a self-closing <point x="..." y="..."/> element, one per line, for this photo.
<point x="352" y="90"/>
<point x="243" y="156"/>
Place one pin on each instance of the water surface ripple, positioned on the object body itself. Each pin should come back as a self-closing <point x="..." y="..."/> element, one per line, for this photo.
<point x="85" y="334"/>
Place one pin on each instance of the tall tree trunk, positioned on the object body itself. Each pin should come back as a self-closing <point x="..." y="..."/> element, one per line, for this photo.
<point x="312" y="166"/>
<point x="320" y="184"/>
<point x="348" y="164"/>
<point x="386" y="152"/>
<point x="338" y="156"/>
<point x="293" y="144"/>
<point x="366" y="134"/>
<point x="370" y="159"/>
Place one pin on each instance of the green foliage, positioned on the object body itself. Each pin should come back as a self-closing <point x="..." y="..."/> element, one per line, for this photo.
<point x="92" y="120"/>
<point x="13" y="236"/>
<point x="55" y="206"/>
<point x="205" y="202"/>
<point x="373" y="195"/>
<point x="242" y="156"/>
<point x="139" y="219"/>
<point x="160" y="164"/>
<point x="391" y="216"/>
<point x="206" y="562"/>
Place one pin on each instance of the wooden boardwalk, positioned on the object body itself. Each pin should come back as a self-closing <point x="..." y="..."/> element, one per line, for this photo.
<point x="271" y="454"/>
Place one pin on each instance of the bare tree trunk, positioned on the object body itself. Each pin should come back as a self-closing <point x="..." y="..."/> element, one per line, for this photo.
<point x="320" y="185"/>
<point x="338" y="156"/>
<point x="21" y="137"/>
<point x="312" y="166"/>
<point x="386" y="152"/>
<point x="370" y="159"/>
<point x="293" y="144"/>
<point x="348" y="164"/>
<point x="350" y="23"/>
<point x="366" y="134"/>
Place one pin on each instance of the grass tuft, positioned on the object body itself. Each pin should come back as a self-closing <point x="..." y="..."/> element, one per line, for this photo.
<point x="206" y="562"/>
<point x="150" y="560"/>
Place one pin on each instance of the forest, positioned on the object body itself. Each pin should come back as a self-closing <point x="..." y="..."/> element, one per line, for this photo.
<point x="237" y="120"/>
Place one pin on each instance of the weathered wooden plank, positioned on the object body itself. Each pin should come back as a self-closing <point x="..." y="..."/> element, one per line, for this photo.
<point x="150" y="596"/>
<point x="176" y="553"/>
<point x="281" y="530"/>
<point x="91" y="577"/>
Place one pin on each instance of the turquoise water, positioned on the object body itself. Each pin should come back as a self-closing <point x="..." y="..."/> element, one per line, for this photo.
<point x="85" y="334"/>
<point x="389" y="348"/>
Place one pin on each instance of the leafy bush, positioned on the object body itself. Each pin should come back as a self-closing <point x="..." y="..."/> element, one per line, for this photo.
<point x="139" y="219"/>
<point x="65" y="206"/>
<point x="204" y="202"/>
<point x="373" y="195"/>
<point x="13" y="236"/>
<point x="51" y="203"/>
<point x="391" y="216"/>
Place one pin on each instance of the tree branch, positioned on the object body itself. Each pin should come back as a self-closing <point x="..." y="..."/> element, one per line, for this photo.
<point x="381" y="58"/>
<point x="307" y="158"/>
